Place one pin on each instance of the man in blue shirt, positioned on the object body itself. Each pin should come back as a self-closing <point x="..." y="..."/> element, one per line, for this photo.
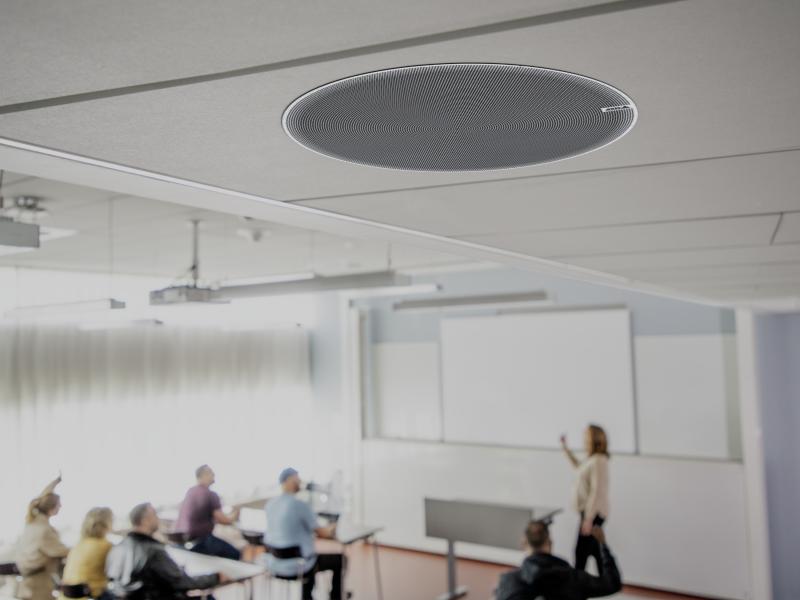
<point x="291" y="522"/>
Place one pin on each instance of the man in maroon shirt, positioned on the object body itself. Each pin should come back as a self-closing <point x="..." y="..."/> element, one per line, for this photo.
<point x="200" y="511"/>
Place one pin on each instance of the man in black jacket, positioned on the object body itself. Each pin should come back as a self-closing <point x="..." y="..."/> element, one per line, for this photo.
<point x="547" y="577"/>
<point x="139" y="567"/>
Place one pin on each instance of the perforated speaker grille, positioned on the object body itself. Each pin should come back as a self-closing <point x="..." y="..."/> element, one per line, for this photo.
<point x="459" y="117"/>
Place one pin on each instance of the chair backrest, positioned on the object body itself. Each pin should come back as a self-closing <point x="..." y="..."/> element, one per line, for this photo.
<point x="254" y="538"/>
<point x="177" y="537"/>
<point x="8" y="568"/>
<point x="78" y="590"/>
<point x="289" y="552"/>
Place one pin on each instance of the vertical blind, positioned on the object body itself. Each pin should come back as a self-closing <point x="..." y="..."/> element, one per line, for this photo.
<point x="128" y="414"/>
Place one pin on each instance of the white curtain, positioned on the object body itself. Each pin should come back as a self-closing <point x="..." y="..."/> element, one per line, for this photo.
<point x="128" y="414"/>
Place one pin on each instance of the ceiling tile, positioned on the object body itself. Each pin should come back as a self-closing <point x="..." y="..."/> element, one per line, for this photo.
<point x="789" y="230"/>
<point x="182" y="38"/>
<point x="710" y="188"/>
<point x="621" y="263"/>
<point x="229" y="132"/>
<point x="707" y="233"/>
<point x="736" y="291"/>
<point x="742" y="275"/>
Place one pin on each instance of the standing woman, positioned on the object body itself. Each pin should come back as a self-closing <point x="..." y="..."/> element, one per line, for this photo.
<point x="591" y="492"/>
<point x="86" y="563"/>
<point x="40" y="551"/>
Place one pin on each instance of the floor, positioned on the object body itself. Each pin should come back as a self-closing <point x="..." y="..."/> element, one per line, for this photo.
<point x="409" y="575"/>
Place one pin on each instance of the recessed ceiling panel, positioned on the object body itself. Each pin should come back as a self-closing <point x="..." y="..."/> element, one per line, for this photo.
<point x="459" y="117"/>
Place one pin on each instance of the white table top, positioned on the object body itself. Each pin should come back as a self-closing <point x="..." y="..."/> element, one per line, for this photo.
<point x="200" y="564"/>
<point x="254" y="522"/>
<point x="348" y="533"/>
<point x="193" y="563"/>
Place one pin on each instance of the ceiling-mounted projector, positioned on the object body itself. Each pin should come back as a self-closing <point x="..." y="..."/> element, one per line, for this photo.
<point x="181" y="294"/>
<point x="192" y="292"/>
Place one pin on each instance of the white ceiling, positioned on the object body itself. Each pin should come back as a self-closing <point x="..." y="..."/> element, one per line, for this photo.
<point x="134" y="235"/>
<point x="700" y="197"/>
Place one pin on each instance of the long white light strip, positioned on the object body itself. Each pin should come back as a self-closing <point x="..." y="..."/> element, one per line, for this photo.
<point x="400" y="290"/>
<point x="271" y="278"/>
<point x="537" y="298"/>
<point x="256" y="327"/>
<point x="129" y="324"/>
<point x="68" y="308"/>
<point x="372" y="280"/>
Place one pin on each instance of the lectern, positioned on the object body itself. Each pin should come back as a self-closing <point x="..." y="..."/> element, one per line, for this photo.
<point x="498" y="525"/>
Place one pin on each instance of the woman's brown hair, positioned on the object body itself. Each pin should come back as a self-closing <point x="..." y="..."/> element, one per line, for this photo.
<point x="599" y="440"/>
<point x="42" y="506"/>
<point x="97" y="523"/>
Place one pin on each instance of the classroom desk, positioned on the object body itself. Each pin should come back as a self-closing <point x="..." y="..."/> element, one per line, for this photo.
<point x="193" y="563"/>
<point x="200" y="564"/>
<point x="349" y="533"/>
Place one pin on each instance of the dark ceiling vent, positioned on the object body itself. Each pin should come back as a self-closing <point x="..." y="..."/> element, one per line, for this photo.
<point x="459" y="117"/>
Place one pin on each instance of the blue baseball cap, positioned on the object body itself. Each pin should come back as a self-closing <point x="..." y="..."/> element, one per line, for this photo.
<point x="286" y="473"/>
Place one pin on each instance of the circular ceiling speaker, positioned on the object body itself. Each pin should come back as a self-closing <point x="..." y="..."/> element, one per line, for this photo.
<point x="459" y="117"/>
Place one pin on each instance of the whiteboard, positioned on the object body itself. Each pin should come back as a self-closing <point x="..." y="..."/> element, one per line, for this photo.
<point x="522" y="380"/>
<point x="686" y="390"/>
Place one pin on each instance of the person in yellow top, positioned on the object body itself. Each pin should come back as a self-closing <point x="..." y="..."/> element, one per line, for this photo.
<point x="39" y="550"/>
<point x="86" y="562"/>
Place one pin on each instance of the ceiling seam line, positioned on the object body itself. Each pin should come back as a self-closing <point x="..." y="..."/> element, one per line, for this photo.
<point x="777" y="227"/>
<point x="546" y="175"/>
<point x="422" y="40"/>
<point x="615" y="225"/>
<point x="640" y="270"/>
<point x="669" y="251"/>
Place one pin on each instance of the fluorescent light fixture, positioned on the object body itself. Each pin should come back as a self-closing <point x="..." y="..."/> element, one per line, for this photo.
<point x="184" y="294"/>
<point x="261" y="326"/>
<point x="129" y="324"/>
<point x="398" y="290"/>
<point x="66" y="309"/>
<point x="473" y="302"/>
<point x="317" y="284"/>
<point x="376" y="279"/>
<point x="279" y="278"/>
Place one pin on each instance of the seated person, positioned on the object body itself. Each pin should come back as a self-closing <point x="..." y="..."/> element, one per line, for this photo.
<point x="200" y="511"/>
<point x="39" y="550"/>
<point x="291" y="522"/>
<point x="139" y="568"/>
<point x="86" y="562"/>
<point x="548" y="577"/>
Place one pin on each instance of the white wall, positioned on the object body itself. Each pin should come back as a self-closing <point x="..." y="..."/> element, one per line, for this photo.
<point x="675" y="524"/>
<point x="687" y="396"/>
<point x="678" y="516"/>
<point x="407" y="384"/>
